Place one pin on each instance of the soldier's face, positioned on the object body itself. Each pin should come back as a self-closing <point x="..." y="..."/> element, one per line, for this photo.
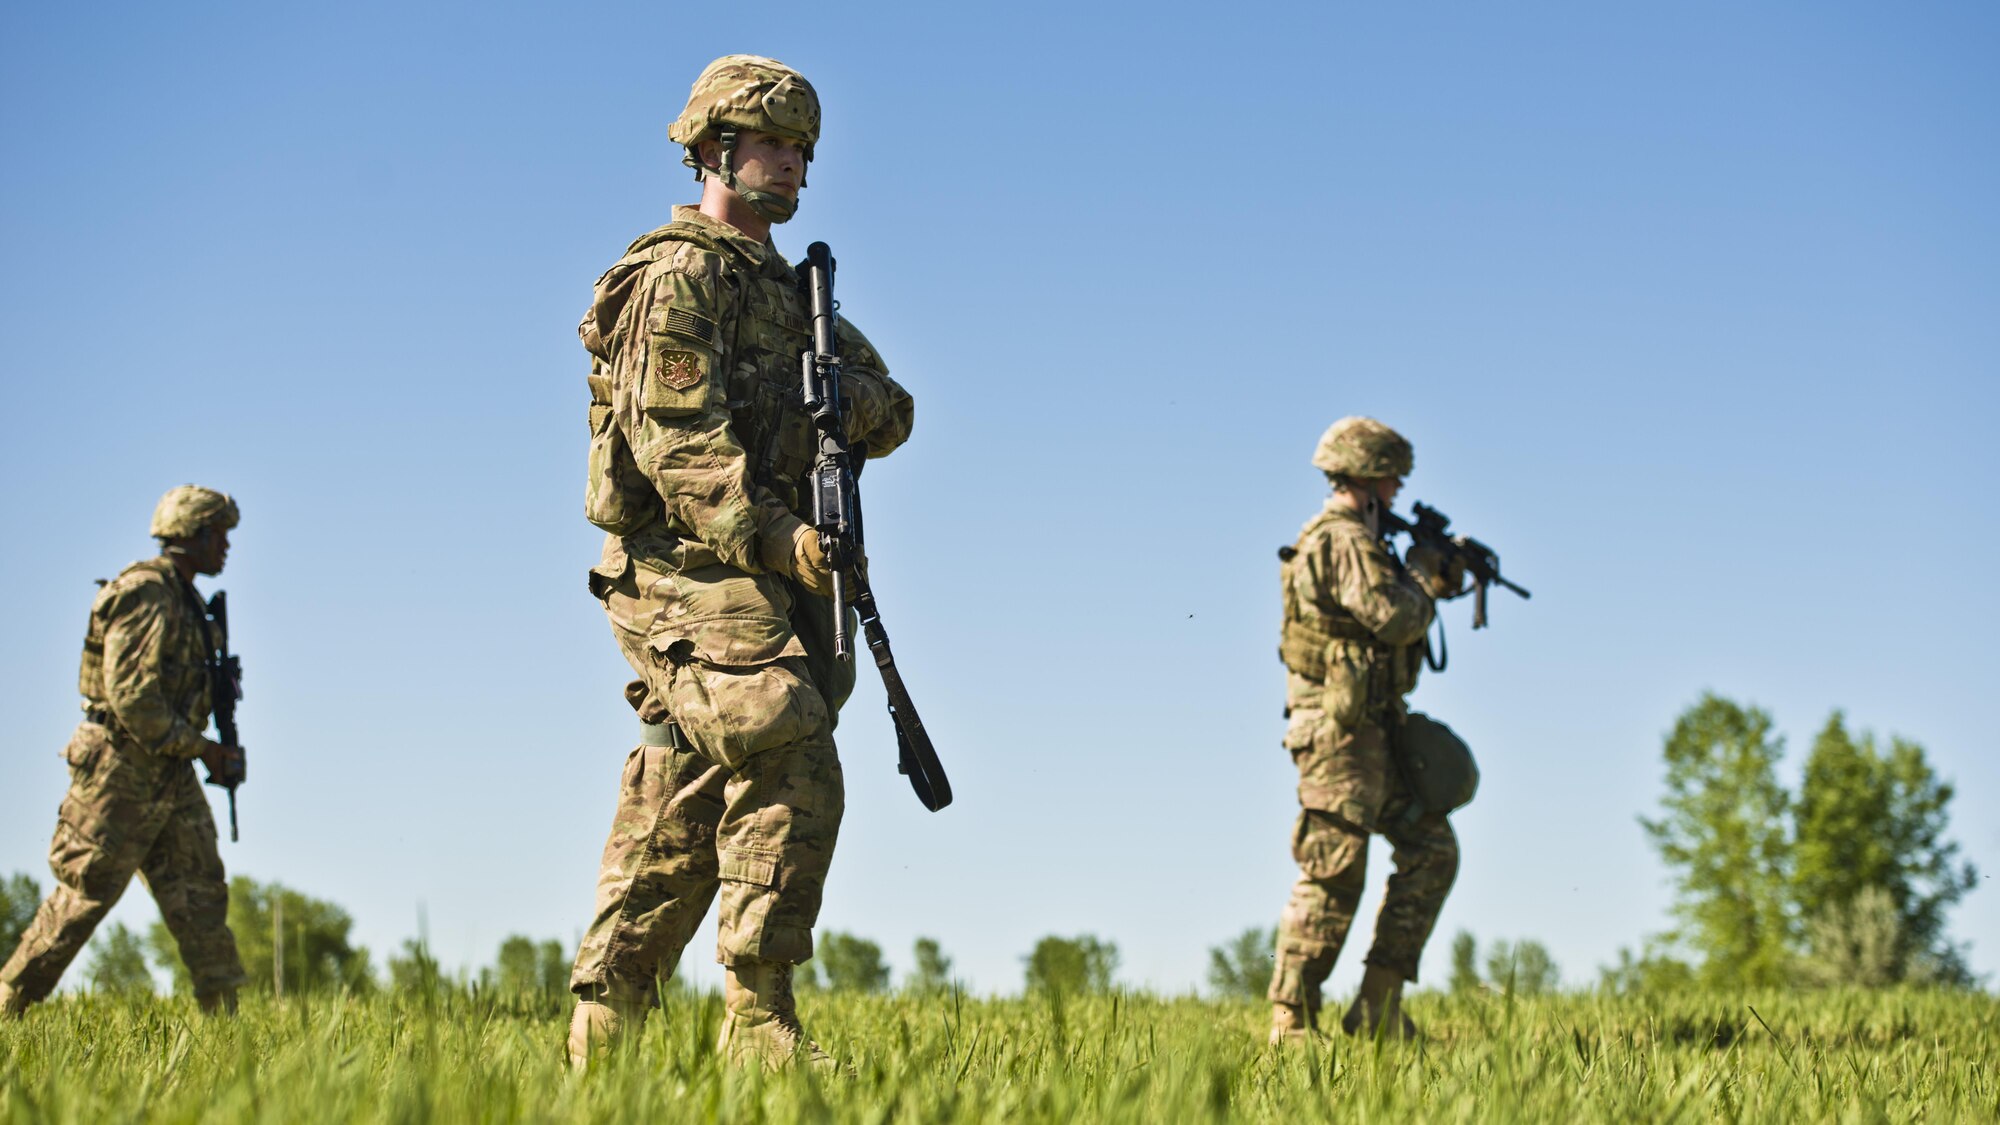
<point x="1386" y="489"/>
<point x="210" y="550"/>
<point x="766" y="162"/>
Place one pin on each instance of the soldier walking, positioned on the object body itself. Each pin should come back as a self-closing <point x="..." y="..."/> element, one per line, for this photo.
<point x="134" y="803"/>
<point x="715" y="588"/>
<point x="1352" y="643"/>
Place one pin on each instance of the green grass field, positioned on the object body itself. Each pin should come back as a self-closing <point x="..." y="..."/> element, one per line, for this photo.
<point x="1839" y="1056"/>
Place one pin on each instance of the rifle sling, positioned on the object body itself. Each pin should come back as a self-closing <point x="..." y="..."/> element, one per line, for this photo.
<point x="916" y="758"/>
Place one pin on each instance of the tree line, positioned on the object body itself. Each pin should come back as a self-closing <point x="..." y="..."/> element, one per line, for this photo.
<point x="292" y="943"/>
<point x="1848" y="880"/>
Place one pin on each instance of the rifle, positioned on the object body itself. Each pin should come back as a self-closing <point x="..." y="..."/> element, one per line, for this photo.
<point x="1431" y="529"/>
<point x="225" y="688"/>
<point x="836" y="515"/>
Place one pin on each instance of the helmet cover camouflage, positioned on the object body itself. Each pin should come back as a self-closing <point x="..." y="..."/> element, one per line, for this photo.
<point x="185" y="510"/>
<point x="1364" y="449"/>
<point x="748" y="92"/>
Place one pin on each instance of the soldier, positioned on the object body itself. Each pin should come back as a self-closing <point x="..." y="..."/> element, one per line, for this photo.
<point x="1352" y="642"/>
<point x="715" y="588"/>
<point x="134" y="804"/>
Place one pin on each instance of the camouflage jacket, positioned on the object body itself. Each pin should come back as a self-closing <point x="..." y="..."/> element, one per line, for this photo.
<point x="1353" y="636"/>
<point x="145" y="659"/>
<point x="697" y="427"/>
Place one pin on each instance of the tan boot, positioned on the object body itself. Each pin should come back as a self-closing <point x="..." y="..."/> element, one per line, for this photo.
<point x="1291" y="1023"/>
<point x="596" y="1027"/>
<point x="221" y="1002"/>
<point x="12" y="1003"/>
<point x="1381" y="1001"/>
<point x="759" y="1021"/>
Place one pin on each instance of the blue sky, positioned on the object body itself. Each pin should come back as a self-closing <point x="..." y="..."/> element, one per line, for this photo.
<point x="1688" y="309"/>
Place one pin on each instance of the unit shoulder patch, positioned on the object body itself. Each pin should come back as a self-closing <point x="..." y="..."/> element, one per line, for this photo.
<point x="680" y="368"/>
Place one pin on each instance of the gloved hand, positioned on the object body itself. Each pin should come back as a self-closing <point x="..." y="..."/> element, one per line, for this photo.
<point x="1442" y="573"/>
<point x="793" y="550"/>
<point x="226" y="765"/>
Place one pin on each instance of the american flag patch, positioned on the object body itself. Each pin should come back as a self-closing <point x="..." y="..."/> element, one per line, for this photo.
<point x="692" y="326"/>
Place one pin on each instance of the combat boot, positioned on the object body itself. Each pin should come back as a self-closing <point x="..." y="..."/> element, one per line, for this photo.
<point x="221" y="1002"/>
<point x="1292" y="1023"/>
<point x="597" y="1026"/>
<point x="760" y="1022"/>
<point x="1381" y="1001"/>
<point x="12" y="1002"/>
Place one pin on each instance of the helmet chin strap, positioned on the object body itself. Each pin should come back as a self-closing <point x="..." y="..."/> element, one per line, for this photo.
<point x="768" y="205"/>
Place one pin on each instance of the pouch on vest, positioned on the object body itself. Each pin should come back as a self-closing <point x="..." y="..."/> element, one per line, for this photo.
<point x="616" y="496"/>
<point x="1437" y="763"/>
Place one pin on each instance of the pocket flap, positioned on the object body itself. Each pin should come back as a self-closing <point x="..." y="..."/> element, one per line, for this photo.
<point x="755" y="868"/>
<point x="86" y="746"/>
<point x="730" y="640"/>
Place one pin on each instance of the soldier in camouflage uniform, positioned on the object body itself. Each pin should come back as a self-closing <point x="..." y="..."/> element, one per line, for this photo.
<point x="1352" y="643"/>
<point x="134" y="803"/>
<point x="715" y="589"/>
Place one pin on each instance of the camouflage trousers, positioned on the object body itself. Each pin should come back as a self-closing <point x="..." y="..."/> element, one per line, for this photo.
<point x="748" y="810"/>
<point x="129" y="811"/>
<point x="1350" y="788"/>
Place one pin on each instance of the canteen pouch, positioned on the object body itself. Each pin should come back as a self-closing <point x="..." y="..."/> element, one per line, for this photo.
<point x="617" y="497"/>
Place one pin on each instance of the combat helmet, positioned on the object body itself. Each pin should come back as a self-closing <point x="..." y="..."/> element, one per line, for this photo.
<point x="748" y="92"/>
<point x="185" y="510"/>
<point x="1363" y="449"/>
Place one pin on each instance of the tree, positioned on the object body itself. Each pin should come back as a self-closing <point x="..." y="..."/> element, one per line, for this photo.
<point x="933" y="968"/>
<point x="527" y="969"/>
<point x="1241" y="967"/>
<point x="1859" y="943"/>
<point x="1652" y="971"/>
<point x="415" y="970"/>
<point x="1523" y="968"/>
<point x="1063" y="966"/>
<point x="20" y="896"/>
<point x="1723" y="832"/>
<point x="318" y="954"/>
<point x="851" y="964"/>
<point x="1465" y="963"/>
<point x="118" y="963"/>
<point x="1869" y="821"/>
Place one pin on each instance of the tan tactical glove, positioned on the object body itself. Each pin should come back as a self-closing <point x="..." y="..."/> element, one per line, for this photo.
<point x="226" y="764"/>
<point x="1441" y="573"/>
<point x="792" y="549"/>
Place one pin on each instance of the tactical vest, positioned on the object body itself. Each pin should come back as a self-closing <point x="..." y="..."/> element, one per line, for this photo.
<point x="765" y="329"/>
<point x="183" y="672"/>
<point x="1309" y="628"/>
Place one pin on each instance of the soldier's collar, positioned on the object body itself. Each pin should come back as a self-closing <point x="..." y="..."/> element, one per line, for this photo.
<point x="1339" y="511"/>
<point x="723" y="232"/>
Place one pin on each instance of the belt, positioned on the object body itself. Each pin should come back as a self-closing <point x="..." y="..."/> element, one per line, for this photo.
<point x="662" y="734"/>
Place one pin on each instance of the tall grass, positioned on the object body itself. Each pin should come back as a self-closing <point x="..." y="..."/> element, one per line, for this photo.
<point x="1834" y="1056"/>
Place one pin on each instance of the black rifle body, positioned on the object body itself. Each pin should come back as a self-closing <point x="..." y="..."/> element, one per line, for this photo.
<point x="835" y="502"/>
<point x="225" y="688"/>
<point x="1431" y="528"/>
